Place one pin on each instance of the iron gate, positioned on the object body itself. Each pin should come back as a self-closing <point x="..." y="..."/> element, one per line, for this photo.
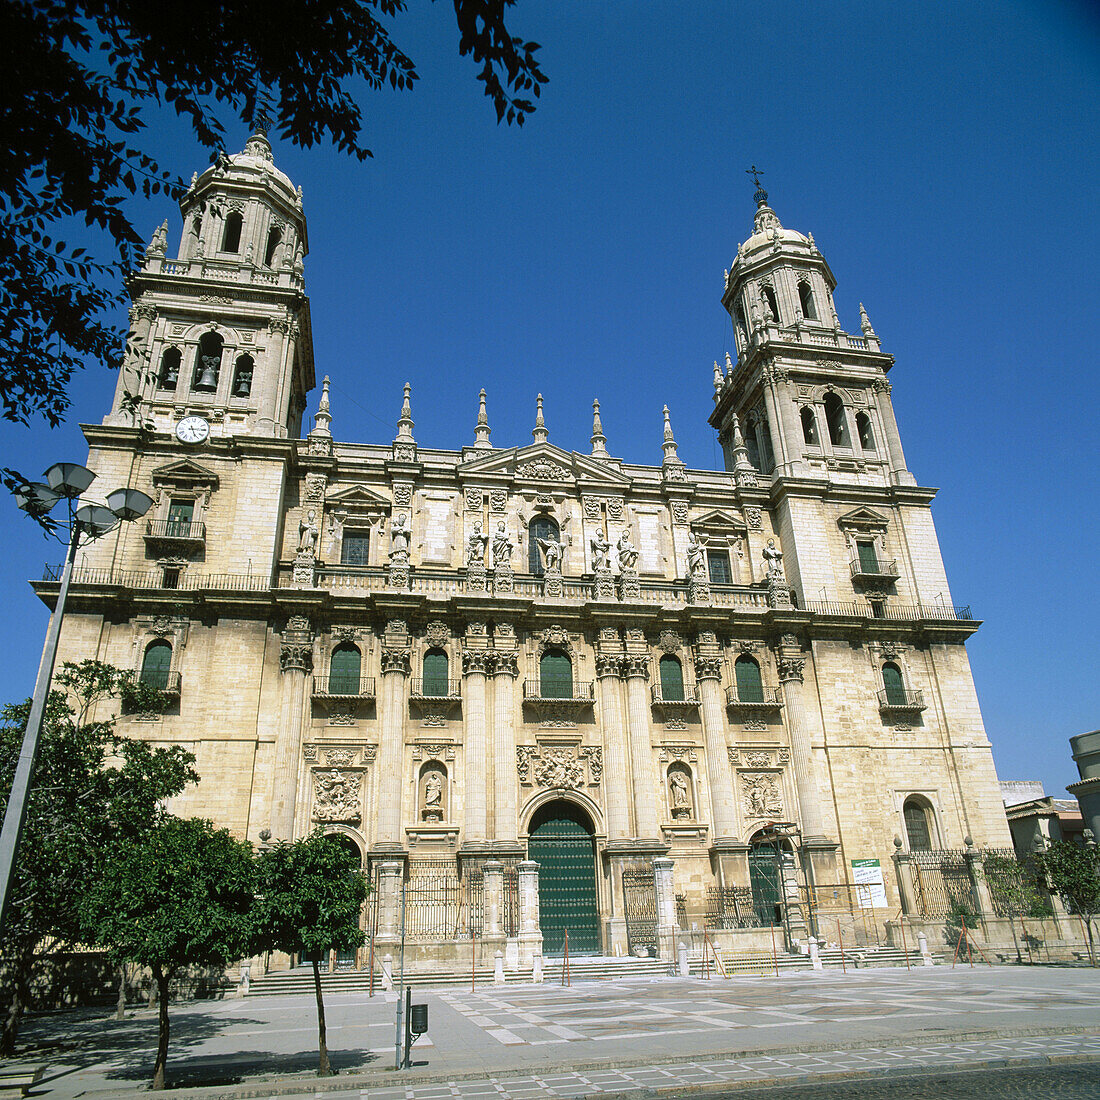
<point x="432" y="909"/>
<point x="764" y="883"/>
<point x="941" y="881"/>
<point x="730" y="907"/>
<point x="640" y="905"/>
<point x="566" y="854"/>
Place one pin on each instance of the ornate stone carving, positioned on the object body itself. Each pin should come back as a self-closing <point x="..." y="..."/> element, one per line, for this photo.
<point x="315" y="487"/>
<point x="761" y="794"/>
<point x="669" y="641"/>
<point x="556" y="637"/>
<point x="433" y="750"/>
<point x="498" y="499"/>
<point x="404" y="452"/>
<point x="161" y="625"/>
<point x="675" y="724"/>
<point x="336" y="796"/>
<point x="609" y="664"/>
<point x="395" y="660"/>
<point x="402" y="494"/>
<point x="636" y="665"/>
<point x="708" y="667"/>
<point x="525" y="754"/>
<point x="506" y="664"/>
<point x="474" y="500"/>
<point x="674" y="473"/>
<point x="784" y="756"/>
<point x="594" y="755"/>
<point x="734" y="756"/>
<point x="477" y="661"/>
<point x="477" y="629"/>
<point x="679" y="511"/>
<point x="341" y="716"/>
<point x="542" y="470"/>
<point x="758" y="759"/>
<point x="436" y="633"/>
<point x="558" y="768"/>
<point x="477" y="577"/>
<point x="591" y="507"/>
<point x="677" y="752"/>
<point x="340" y="758"/>
<point x="297" y="648"/>
<point x="432" y="796"/>
<point x="309" y="752"/>
<point x="755" y="725"/>
<point x="629" y="586"/>
<point x="605" y="584"/>
<point x="791" y="668"/>
<point x="753" y="518"/>
<point x="615" y="508"/>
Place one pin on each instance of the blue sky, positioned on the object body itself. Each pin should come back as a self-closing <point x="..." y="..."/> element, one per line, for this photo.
<point x="944" y="157"/>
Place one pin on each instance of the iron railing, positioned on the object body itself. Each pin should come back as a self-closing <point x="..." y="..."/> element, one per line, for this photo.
<point x="163" y="680"/>
<point x="884" y="609"/>
<point x="878" y="569"/>
<point x="343" y="686"/>
<point x="749" y="696"/>
<point x="941" y="880"/>
<point x="730" y="907"/>
<point x="687" y="696"/>
<point x="183" y="531"/>
<point x="583" y="692"/>
<point x="420" y="688"/>
<point x="185" y="579"/>
<point x="900" y="699"/>
<point x="432" y="900"/>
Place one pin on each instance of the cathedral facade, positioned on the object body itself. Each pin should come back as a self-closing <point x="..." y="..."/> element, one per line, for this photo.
<point x="542" y="692"/>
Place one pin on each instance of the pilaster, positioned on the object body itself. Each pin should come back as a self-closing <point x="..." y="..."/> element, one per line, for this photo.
<point x="296" y="665"/>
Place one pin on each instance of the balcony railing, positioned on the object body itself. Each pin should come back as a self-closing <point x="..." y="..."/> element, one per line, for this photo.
<point x="687" y="696"/>
<point x="171" y="530"/>
<point x="420" y="688"/>
<point x="186" y="579"/>
<point x="168" y="682"/>
<point x="900" y="699"/>
<point x="558" y="691"/>
<point x="884" y="609"/>
<point x="763" y="697"/>
<point x="879" y="570"/>
<point x="337" y="686"/>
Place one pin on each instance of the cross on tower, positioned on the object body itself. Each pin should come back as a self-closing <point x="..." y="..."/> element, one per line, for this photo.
<point x="761" y="195"/>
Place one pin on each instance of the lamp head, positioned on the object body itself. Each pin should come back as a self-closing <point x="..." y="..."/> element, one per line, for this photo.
<point x="36" y="498"/>
<point x="129" y="503"/>
<point x="67" y="479"/>
<point x="95" y="519"/>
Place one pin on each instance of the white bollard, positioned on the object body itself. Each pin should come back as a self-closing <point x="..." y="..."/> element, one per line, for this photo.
<point x="925" y="954"/>
<point x="815" y="958"/>
<point x="387" y="972"/>
<point x="246" y="977"/>
<point x="685" y="966"/>
<point x="536" y="969"/>
<point x="498" y="969"/>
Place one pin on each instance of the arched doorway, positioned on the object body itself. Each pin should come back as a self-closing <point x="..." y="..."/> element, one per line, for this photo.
<point x="560" y="840"/>
<point x="345" y="960"/>
<point x="765" y="879"/>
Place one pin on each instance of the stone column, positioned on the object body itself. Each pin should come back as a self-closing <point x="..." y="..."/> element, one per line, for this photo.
<point x="616" y="774"/>
<point x="492" y="898"/>
<point x="890" y="427"/>
<point x="391" y="748"/>
<point x="505" y="673"/>
<point x="296" y="663"/>
<point x="666" y="908"/>
<point x="475" y="664"/>
<point x="389" y="901"/>
<point x="791" y="664"/>
<point x="530" y="931"/>
<point x="267" y="380"/>
<point x="636" y="669"/>
<point x="903" y="868"/>
<point x="723" y="820"/>
<point x="982" y="898"/>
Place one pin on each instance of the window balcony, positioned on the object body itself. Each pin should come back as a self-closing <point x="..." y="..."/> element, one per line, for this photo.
<point x="874" y="571"/>
<point x="420" y="688"/>
<point x="753" y="698"/>
<point x="174" y="533"/>
<point x="675" y="703"/>
<point x="558" y="691"/>
<point x="167" y="682"/>
<point x="338" y="687"/>
<point x="891" y="700"/>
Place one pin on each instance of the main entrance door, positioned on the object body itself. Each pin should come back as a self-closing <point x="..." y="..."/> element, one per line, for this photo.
<point x="561" y="842"/>
<point x="764" y="880"/>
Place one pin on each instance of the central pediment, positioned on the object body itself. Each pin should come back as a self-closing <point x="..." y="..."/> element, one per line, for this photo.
<point x="543" y="463"/>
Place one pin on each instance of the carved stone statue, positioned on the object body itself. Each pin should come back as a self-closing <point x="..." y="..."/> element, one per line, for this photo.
<point x="678" y="787"/>
<point x="433" y="797"/>
<point x="553" y="552"/>
<point x="400" y="535"/>
<point x="773" y="557"/>
<point x="502" y="548"/>
<point x="696" y="552"/>
<point x="475" y="545"/>
<point x="600" y="547"/>
<point x="628" y="552"/>
<point x="307" y="533"/>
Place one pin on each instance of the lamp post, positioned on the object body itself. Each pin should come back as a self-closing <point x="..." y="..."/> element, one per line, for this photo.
<point x="64" y="481"/>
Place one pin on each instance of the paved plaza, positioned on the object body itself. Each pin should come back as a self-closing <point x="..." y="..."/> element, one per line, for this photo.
<point x="524" y="1040"/>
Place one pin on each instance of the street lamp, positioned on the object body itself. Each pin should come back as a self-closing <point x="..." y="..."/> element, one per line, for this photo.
<point x="64" y="481"/>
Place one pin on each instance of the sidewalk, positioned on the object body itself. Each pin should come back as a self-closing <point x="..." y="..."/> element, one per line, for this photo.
<point x="524" y="1041"/>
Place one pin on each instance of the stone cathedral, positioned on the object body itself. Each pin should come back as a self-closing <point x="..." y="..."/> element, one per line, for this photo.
<point x="540" y="691"/>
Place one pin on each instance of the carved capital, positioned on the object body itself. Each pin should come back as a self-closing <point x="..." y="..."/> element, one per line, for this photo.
<point x="608" y="664"/>
<point x="708" y="668"/>
<point x="636" y="665"/>
<point x="790" y="668"/>
<point x="395" y="660"/>
<point x="506" y="664"/>
<point x="296" y="657"/>
<point x="477" y="661"/>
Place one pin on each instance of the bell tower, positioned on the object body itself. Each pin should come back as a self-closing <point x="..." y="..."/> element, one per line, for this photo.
<point x="222" y="332"/>
<point x="804" y="398"/>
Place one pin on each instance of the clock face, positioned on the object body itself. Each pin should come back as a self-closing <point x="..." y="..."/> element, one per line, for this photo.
<point x="192" y="429"/>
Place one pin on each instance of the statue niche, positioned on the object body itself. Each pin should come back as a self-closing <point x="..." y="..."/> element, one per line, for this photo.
<point x="679" y="792"/>
<point x="433" y="792"/>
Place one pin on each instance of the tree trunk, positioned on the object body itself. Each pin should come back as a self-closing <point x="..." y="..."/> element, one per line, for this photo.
<point x="162" y="1032"/>
<point x="120" y="1008"/>
<point x="324" y="1068"/>
<point x="20" y="994"/>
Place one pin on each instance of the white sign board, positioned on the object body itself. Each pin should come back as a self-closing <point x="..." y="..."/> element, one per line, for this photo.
<point x="870" y="889"/>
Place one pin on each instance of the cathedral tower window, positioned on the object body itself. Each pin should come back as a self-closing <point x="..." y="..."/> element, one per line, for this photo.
<point x="344" y="670"/>
<point x="894" y="684"/>
<point x="718" y="567"/>
<point x="208" y="363"/>
<point x="672" y="679"/>
<point x="865" y="431"/>
<point x="231" y="242"/>
<point x="436" y="671"/>
<point x="809" y="426"/>
<point x="169" y="368"/>
<point x="806" y="300"/>
<point x="156" y="664"/>
<point x="181" y="514"/>
<point x="767" y="296"/>
<point x="918" y="826"/>
<point x="541" y="527"/>
<point x="242" y="376"/>
<point x="838" y="424"/>
<point x="750" y="686"/>
<point x="271" y="252"/>
<point x="868" y="558"/>
<point x="751" y="445"/>
<point x="767" y="455"/>
<point x="355" y="546"/>
<point x="555" y="675"/>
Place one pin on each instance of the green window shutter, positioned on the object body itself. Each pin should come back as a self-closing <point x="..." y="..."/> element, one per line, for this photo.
<point x="180" y="515"/>
<point x="868" y="559"/>
<point x="155" y="665"/>
<point x="555" y="676"/>
<point x="672" y="680"/>
<point x="894" y="685"/>
<point x="343" y="671"/>
<point x="916" y="828"/>
<point x="435" y="672"/>
<point x="750" y="688"/>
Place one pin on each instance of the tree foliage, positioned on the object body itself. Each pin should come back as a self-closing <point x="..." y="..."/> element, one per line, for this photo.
<point x="311" y="897"/>
<point x="179" y="896"/>
<point x="1075" y="873"/>
<point x="90" y="789"/>
<point x="78" y="78"/>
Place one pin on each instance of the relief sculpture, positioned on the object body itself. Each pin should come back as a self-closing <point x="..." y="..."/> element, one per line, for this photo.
<point x="336" y="796"/>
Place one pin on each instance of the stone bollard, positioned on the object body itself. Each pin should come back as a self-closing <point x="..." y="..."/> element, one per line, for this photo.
<point x="685" y="966"/>
<point x="815" y="958"/>
<point x="536" y="969"/>
<point x="245" y="979"/>
<point x="498" y="968"/>
<point x="925" y="954"/>
<point x="387" y="972"/>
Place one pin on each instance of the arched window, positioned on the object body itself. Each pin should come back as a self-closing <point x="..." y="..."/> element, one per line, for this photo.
<point x="435" y="672"/>
<point x="834" y="417"/>
<point x="750" y="688"/>
<point x="865" y="431"/>
<point x="894" y="684"/>
<point x="242" y="376"/>
<point x="541" y="527"/>
<point x="208" y="362"/>
<point x="231" y="242"/>
<point x="555" y="675"/>
<point x="751" y="444"/>
<point x="806" y="300"/>
<point x="809" y="426"/>
<point x="169" y="368"/>
<point x="767" y="455"/>
<point x="918" y="827"/>
<point x="768" y="295"/>
<point x="343" y="670"/>
<point x="156" y="664"/>
<point x="274" y="238"/>
<point x="672" y="679"/>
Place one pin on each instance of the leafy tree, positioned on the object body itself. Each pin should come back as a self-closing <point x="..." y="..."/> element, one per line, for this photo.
<point x="90" y="788"/>
<point x="311" y="892"/>
<point x="177" y="897"/>
<point x="1014" y="892"/>
<point x="79" y="76"/>
<point x="1075" y="873"/>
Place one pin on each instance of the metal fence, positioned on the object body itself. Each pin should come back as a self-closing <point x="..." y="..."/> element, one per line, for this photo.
<point x="942" y="883"/>
<point x="730" y="907"/>
<point x="432" y="900"/>
<point x="640" y="904"/>
<point x="472" y="911"/>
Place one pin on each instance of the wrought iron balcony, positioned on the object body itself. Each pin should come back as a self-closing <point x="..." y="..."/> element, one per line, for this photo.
<point x="898" y="699"/>
<point x="879" y="570"/>
<point x="162" y="680"/>
<point x="687" y="696"/>
<point x="753" y="698"/>
<point x="420" y="688"/>
<point x="340" y="686"/>
<point x="175" y="532"/>
<point x="558" y="691"/>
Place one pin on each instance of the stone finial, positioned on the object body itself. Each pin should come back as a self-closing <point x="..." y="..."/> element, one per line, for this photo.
<point x="258" y="146"/>
<point x="812" y="242"/>
<point x="743" y="469"/>
<point x="865" y="321"/>
<point x="599" y="440"/>
<point x="194" y="180"/>
<point x="717" y="380"/>
<point x="539" y="432"/>
<point x="729" y="366"/>
<point x="669" y="445"/>
<point x="405" y="424"/>
<point x="298" y="195"/>
<point x="482" y="431"/>
<point x="323" y="420"/>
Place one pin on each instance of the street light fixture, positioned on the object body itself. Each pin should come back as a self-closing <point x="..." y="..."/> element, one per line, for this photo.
<point x="64" y="480"/>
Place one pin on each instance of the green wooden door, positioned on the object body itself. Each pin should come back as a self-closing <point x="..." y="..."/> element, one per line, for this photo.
<point x="764" y="880"/>
<point x="566" y="854"/>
